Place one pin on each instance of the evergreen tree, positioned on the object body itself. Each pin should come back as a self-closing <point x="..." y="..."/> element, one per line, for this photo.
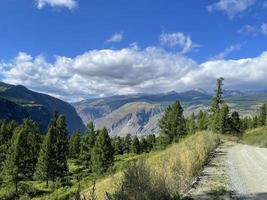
<point x="136" y="145"/>
<point x="75" y="145"/>
<point x="87" y="145"/>
<point x="173" y="124"/>
<point x="263" y="115"/>
<point x="22" y="154"/>
<point x="103" y="153"/>
<point x="202" y="121"/>
<point x="62" y="148"/>
<point x="191" y="126"/>
<point x="45" y="165"/>
<point x="255" y="122"/>
<point x="118" y="145"/>
<point x="127" y="144"/>
<point x="216" y="105"/>
<point x="143" y="145"/>
<point x="236" y="124"/>
<point x="223" y="121"/>
<point x="52" y="161"/>
<point x="151" y="142"/>
<point x="7" y="129"/>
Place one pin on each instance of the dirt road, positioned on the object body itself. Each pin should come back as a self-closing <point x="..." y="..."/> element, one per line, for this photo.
<point x="248" y="171"/>
<point x="236" y="171"/>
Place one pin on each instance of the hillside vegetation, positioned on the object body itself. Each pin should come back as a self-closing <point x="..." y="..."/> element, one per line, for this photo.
<point x="257" y="137"/>
<point x="168" y="173"/>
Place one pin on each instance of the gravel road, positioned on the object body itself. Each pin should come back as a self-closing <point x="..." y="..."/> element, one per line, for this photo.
<point x="248" y="171"/>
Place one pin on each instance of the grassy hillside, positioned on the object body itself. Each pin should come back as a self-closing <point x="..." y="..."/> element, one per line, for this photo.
<point x="257" y="137"/>
<point x="178" y="165"/>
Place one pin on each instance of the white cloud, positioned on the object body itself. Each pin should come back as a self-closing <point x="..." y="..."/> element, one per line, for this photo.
<point x="226" y="52"/>
<point x="178" y="39"/>
<point x="231" y="7"/>
<point x="116" y="37"/>
<point x="70" y="4"/>
<point x="254" y="30"/>
<point x="129" y="70"/>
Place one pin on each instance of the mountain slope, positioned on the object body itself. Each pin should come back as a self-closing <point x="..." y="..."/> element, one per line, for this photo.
<point x="18" y="102"/>
<point x="139" y="114"/>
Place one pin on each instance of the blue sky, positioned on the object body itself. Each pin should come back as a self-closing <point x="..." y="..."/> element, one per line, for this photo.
<point x="55" y="37"/>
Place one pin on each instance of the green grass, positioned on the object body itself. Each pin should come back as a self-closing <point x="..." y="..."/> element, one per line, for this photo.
<point x="256" y="137"/>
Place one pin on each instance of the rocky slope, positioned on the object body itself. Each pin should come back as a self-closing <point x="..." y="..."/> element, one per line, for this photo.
<point x="139" y="114"/>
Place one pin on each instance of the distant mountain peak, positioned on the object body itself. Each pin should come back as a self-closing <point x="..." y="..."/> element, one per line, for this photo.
<point x="200" y="90"/>
<point x="172" y="92"/>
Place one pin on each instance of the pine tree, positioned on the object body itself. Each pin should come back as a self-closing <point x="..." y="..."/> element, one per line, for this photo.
<point x="22" y="154"/>
<point x="103" y="153"/>
<point x="7" y="129"/>
<point x="87" y="145"/>
<point x="75" y="145"/>
<point x="127" y="144"/>
<point x="151" y="142"/>
<point x="118" y="145"/>
<point x="263" y="115"/>
<point x="236" y="124"/>
<point x="173" y="124"/>
<point x="52" y="161"/>
<point x="62" y="148"/>
<point x="223" y="121"/>
<point x="202" y="121"/>
<point x="191" y="124"/>
<point x="216" y="105"/>
<point x="136" y="145"/>
<point x="143" y="145"/>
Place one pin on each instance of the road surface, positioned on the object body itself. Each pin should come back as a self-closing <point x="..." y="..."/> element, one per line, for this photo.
<point x="236" y="171"/>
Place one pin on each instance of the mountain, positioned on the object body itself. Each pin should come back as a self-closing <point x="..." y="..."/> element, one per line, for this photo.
<point x="139" y="114"/>
<point x="17" y="102"/>
<point x="136" y="114"/>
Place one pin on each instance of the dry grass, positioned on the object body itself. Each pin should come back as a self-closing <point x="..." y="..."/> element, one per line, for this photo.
<point x="171" y="170"/>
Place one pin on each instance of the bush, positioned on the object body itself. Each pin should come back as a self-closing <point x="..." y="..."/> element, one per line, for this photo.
<point x="140" y="183"/>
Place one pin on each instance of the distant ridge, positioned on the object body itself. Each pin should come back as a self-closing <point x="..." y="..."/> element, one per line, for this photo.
<point x="17" y="102"/>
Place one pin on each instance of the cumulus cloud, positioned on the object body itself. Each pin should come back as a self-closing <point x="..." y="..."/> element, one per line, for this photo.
<point x="231" y="7"/>
<point x="264" y="29"/>
<point x="178" y="39"/>
<point x="116" y="37"/>
<point x="129" y="70"/>
<point x="226" y="52"/>
<point x="70" y="4"/>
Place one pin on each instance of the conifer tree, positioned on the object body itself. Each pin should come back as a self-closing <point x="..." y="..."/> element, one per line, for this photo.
<point x="127" y="144"/>
<point x="143" y="145"/>
<point x="216" y="105"/>
<point x="75" y="145"/>
<point x="103" y="153"/>
<point x="173" y="124"/>
<point x="202" y="121"/>
<point x="62" y="148"/>
<point x="118" y="145"/>
<point x="151" y="141"/>
<point x="22" y="154"/>
<point x="236" y="124"/>
<point x="136" y="145"/>
<point x="87" y="145"/>
<point x="223" y="124"/>
<point x="263" y="115"/>
<point x="52" y="161"/>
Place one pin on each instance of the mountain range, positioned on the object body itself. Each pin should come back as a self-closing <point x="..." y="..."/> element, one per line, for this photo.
<point x="17" y="102"/>
<point x="139" y="114"/>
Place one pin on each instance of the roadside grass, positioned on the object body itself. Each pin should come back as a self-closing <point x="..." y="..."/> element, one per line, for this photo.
<point x="172" y="170"/>
<point x="256" y="137"/>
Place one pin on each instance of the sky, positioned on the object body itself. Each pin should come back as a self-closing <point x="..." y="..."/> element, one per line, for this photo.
<point x="80" y="49"/>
